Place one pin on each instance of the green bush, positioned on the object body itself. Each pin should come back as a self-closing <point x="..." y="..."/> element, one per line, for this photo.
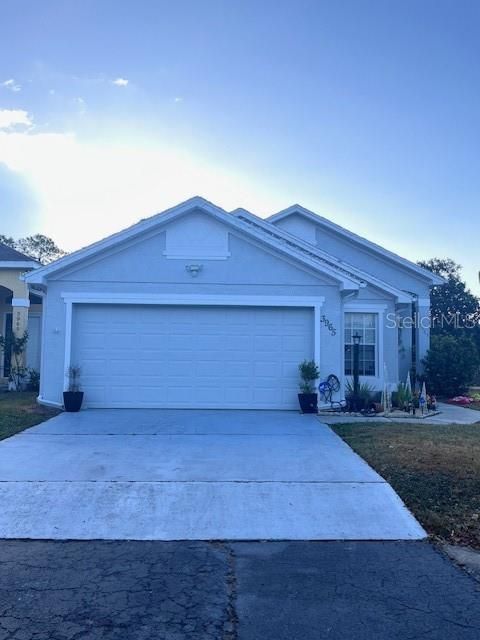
<point x="402" y="396"/>
<point x="309" y="372"/>
<point x="451" y="364"/>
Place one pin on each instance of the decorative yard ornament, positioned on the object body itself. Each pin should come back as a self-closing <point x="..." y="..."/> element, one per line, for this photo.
<point x="408" y="384"/>
<point x="386" y="395"/>
<point x="423" y="398"/>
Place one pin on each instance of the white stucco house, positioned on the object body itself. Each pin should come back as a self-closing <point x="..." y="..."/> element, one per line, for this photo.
<point x="198" y="307"/>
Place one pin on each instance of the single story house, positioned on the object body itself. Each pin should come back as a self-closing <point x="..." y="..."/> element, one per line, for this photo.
<point x="20" y="309"/>
<point x="199" y="307"/>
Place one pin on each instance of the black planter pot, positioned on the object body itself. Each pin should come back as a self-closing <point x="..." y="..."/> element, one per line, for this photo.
<point x="72" y="400"/>
<point x="308" y="402"/>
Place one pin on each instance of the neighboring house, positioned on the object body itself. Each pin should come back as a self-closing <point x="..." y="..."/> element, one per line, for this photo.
<point x="20" y="309"/>
<point x="197" y="307"/>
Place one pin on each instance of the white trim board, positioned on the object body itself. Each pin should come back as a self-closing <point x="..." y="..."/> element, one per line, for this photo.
<point x="68" y="343"/>
<point x="19" y="264"/>
<point x="20" y="302"/>
<point x="193" y="299"/>
<point x="365" y="307"/>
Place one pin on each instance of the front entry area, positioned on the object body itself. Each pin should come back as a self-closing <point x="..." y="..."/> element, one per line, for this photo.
<point x="159" y="474"/>
<point x="191" y="356"/>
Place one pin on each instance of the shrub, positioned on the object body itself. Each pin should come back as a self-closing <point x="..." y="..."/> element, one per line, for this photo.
<point x="451" y="365"/>
<point x="402" y="396"/>
<point x="309" y="372"/>
<point x="33" y="380"/>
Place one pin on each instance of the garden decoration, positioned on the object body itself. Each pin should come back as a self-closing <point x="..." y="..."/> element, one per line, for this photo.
<point x="327" y="388"/>
<point x="423" y="399"/>
<point x="408" y="384"/>
<point x="461" y="400"/>
<point x="386" y="400"/>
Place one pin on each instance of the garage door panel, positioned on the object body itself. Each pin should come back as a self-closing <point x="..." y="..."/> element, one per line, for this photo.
<point x="94" y="340"/>
<point x="268" y="343"/>
<point x="241" y="369"/>
<point x="293" y="344"/>
<point x="152" y="341"/>
<point x="191" y="356"/>
<point x="96" y="391"/>
<point x="180" y="343"/>
<point x="150" y="394"/>
<point x="93" y="358"/>
<point x="240" y="343"/>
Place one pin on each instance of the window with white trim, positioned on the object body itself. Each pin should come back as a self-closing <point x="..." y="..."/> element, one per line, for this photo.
<point x="366" y="326"/>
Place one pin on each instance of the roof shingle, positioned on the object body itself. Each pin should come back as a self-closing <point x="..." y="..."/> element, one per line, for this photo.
<point x="7" y="254"/>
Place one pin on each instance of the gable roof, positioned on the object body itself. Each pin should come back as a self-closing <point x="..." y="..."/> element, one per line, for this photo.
<point x="322" y="256"/>
<point x="347" y="281"/>
<point x="7" y="255"/>
<point x="353" y="237"/>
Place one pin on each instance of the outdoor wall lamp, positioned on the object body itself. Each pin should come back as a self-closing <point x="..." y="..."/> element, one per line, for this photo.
<point x="194" y="269"/>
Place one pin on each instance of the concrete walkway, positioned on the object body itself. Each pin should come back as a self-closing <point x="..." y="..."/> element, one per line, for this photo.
<point x="197" y="475"/>
<point x="449" y="414"/>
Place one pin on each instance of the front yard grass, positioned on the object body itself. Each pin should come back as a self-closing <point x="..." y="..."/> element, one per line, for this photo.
<point x="435" y="469"/>
<point x="19" y="410"/>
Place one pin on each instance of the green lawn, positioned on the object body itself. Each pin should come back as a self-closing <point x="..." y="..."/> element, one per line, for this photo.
<point x="434" y="469"/>
<point x="19" y="410"/>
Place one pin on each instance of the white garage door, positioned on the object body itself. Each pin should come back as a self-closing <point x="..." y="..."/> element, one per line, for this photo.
<point x="191" y="357"/>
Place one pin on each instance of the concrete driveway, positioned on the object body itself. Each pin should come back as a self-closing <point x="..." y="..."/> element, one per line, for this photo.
<point x="196" y="475"/>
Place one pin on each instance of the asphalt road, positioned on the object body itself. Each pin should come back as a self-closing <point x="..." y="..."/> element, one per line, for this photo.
<point x="233" y="591"/>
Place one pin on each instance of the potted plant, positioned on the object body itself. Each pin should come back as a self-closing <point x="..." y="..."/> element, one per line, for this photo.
<point x="308" y="399"/>
<point x="73" y="397"/>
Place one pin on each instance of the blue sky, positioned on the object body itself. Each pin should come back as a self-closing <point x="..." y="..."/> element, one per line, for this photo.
<point x="364" y="111"/>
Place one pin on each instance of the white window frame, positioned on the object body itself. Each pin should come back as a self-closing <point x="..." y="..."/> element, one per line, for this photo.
<point x="379" y="310"/>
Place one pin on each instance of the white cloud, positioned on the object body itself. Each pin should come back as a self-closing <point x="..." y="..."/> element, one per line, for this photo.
<point x="120" y="82"/>
<point x="88" y="190"/>
<point x="12" y="117"/>
<point x="11" y="85"/>
<point x="178" y="99"/>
